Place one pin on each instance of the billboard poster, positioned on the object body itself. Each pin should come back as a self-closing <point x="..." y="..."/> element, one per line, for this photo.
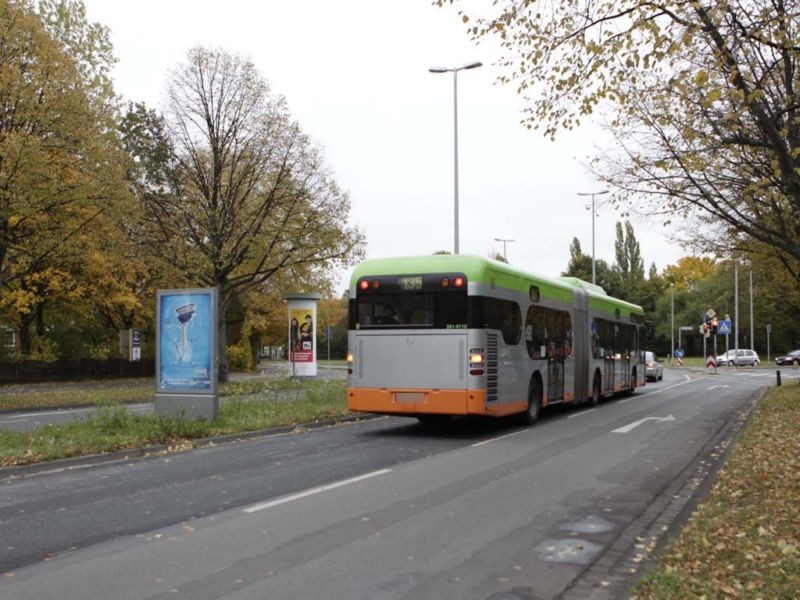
<point x="186" y="322"/>
<point x="301" y="335"/>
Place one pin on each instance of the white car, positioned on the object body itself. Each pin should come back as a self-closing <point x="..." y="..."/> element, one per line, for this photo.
<point x="735" y="358"/>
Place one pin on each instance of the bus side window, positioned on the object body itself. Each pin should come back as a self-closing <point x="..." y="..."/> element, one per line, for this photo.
<point x="535" y="337"/>
<point x="511" y="322"/>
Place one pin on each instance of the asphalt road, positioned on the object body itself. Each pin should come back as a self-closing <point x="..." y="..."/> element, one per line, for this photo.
<point x="381" y="509"/>
<point x="29" y="420"/>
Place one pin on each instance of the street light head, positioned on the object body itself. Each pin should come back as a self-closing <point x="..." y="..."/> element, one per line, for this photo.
<point x="592" y="193"/>
<point x="438" y="70"/>
<point x="474" y="65"/>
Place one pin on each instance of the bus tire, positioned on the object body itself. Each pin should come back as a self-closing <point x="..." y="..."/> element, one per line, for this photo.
<point x="594" y="399"/>
<point x="531" y="416"/>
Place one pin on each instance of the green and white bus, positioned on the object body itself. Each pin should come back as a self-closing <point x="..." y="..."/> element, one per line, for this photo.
<point x="433" y="336"/>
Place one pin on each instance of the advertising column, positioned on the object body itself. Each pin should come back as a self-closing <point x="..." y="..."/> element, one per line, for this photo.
<point x="186" y="353"/>
<point x="302" y="334"/>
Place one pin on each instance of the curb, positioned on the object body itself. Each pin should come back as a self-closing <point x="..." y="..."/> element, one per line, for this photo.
<point x="91" y="460"/>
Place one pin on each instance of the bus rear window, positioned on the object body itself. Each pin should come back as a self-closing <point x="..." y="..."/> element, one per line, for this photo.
<point x="441" y="310"/>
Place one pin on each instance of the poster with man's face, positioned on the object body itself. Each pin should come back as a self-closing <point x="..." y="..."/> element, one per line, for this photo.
<point x="301" y="335"/>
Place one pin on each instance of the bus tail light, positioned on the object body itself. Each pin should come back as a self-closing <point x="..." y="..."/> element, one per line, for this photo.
<point x="349" y="363"/>
<point x="476" y="361"/>
<point x="458" y="282"/>
<point x="363" y="284"/>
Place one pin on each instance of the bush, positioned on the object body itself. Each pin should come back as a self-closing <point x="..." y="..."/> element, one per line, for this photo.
<point x="239" y="359"/>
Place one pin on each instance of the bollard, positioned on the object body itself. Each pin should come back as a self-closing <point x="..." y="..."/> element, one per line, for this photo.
<point x="778" y="375"/>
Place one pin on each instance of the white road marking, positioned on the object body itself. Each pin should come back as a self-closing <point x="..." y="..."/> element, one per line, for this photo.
<point x="502" y="437"/>
<point x="731" y="379"/>
<point x="713" y="387"/>
<point x="673" y="386"/>
<point x="583" y="412"/>
<point x="313" y="491"/>
<point x="635" y="424"/>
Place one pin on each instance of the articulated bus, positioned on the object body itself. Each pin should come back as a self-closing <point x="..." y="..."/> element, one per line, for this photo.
<point x="443" y="335"/>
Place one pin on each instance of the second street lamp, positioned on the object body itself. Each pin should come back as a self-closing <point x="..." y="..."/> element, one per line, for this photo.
<point x="593" y="194"/>
<point x="505" y="241"/>
<point x="455" y="71"/>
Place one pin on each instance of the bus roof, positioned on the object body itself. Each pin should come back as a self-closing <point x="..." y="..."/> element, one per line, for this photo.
<point x="484" y="270"/>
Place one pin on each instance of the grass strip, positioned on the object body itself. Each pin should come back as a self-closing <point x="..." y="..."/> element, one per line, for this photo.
<point x="114" y="427"/>
<point x="744" y="539"/>
<point x="106" y="393"/>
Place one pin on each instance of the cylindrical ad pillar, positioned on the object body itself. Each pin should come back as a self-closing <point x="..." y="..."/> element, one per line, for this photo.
<point x="302" y="334"/>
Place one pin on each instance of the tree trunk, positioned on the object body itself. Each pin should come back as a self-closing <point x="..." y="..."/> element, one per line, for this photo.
<point x="40" y="320"/>
<point x="222" y="341"/>
<point x="25" y="338"/>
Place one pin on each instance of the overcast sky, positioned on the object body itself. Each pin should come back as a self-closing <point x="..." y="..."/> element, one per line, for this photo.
<point x="355" y="75"/>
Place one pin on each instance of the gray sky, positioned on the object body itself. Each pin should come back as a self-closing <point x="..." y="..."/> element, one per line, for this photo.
<point x="355" y="75"/>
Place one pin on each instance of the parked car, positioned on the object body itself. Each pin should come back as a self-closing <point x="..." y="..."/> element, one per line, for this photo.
<point x="653" y="370"/>
<point x="793" y="358"/>
<point x="736" y="358"/>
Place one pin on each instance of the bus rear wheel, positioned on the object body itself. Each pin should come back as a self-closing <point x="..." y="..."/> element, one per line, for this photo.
<point x="594" y="400"/>
<point x="531" y="416"/>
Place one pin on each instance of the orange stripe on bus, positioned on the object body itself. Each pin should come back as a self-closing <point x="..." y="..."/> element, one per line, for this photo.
<point x="422" y="401"/>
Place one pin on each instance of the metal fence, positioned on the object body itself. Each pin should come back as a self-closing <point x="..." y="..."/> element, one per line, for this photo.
<point x="35" y="371"/>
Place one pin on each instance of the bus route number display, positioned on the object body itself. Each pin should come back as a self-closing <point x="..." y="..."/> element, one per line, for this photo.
<point x="410" y="283"/>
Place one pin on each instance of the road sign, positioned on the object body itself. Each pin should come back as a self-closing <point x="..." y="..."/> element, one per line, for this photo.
<point x="724" y="327"/>
<point x="710" y="313"/>
<point x="679" y="353"/>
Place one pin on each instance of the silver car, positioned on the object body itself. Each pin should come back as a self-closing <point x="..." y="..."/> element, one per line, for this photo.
<point x="736" y="358"/>
<point x="653" y="370"/>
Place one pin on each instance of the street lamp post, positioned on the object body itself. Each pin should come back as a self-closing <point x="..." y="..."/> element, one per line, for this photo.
<point x="593" y="194"/>
<point x="505" y="256"/>
<point x="671" y="322"/>
<point x="752" y="329"/>
<point x="736" y="306"/>
<point x="455" y="71"/>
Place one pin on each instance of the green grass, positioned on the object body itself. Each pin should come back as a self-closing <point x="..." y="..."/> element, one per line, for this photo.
<point x="43" y="396"/>
<point x="114" y="427"/>
<point x="744" y="539"/>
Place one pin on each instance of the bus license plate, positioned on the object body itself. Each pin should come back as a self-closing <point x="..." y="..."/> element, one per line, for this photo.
<point x="409" y="397"/>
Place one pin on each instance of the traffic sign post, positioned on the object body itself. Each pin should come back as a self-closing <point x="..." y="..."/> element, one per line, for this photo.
<point x="724" y="326"/>
<point x="679" y="354"/>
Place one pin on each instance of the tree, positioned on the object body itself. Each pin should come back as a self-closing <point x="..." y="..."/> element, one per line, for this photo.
<point x="702" y="100"/>
<point x="59" y="164"/>
<point x="689" y="271"/>
<point x="629" y="262"/>
<point x="580" y="266"/>
<point x="252" y="195"/>
<point x="498" y="257"/>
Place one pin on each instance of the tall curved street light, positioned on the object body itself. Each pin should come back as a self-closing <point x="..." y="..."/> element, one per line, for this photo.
<point x="454" y="71"/>
<point x="593" y="194"/>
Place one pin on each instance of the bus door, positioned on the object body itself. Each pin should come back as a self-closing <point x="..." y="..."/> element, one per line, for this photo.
<point x="609" y="372"/>
<point x="555" y="379"/>
<point x="625" y="375"/>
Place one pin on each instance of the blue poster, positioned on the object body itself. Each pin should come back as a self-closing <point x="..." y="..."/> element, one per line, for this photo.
<point x="185" y="346"/>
